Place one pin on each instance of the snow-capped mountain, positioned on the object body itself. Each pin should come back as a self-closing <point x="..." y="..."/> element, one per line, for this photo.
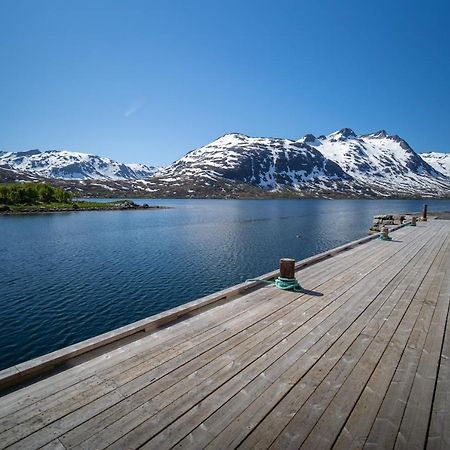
<point x="268" y="163"/>
<point x="372" y="164"/>
<point x="341" y="164"/>
<point x="439" y="161"/>
<point x="73" y="166"/>
<point x="380" y="160"/>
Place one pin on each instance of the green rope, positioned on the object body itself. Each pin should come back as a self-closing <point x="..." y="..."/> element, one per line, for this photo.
<point x="286" y="284"/>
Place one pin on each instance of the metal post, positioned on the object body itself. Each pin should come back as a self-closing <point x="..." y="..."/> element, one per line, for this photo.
<point x="424" y="212"/>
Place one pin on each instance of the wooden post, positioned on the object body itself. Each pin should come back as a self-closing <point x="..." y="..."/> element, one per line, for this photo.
<point x="413" y="221"/>
<point x="424" y="212"/>
<point x="287" y="268"/>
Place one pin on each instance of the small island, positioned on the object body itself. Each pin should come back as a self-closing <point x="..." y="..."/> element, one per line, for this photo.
<point x="33" y="198"/>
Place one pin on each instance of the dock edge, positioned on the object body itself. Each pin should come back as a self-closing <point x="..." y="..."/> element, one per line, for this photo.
<point x="22" y="372"/>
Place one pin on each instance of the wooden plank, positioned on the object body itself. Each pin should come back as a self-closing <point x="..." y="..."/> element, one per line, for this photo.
<point x="413" y="428"/>
<point x="37" y="422"/>
<point x="54" y="445"/>
<point x="45" y="435"/>
<point x="385" y="427"/>
<point x="286" y="409"/>
<point x="373" y="392"/>
<point x="439" y="431"/>
<point x="331" y="422"/>
<point x="282" y="414"/>
<point x="359" y="424"/>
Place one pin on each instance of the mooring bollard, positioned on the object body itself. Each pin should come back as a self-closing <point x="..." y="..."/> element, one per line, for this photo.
<point x="424" y="213"/>
<point x="287" y="268"/>
<point x="413" y="221"/>
<point x="385" y="234"/>
<point x="287" y="280"/>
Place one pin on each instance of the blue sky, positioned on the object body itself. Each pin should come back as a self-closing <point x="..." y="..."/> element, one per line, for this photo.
<point x="147" y="81"/>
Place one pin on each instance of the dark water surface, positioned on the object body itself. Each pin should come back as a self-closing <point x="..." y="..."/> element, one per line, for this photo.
<point x="69" y="276"/>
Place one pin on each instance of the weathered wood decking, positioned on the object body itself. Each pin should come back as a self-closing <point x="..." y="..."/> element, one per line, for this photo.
<point x="360" y="360"/>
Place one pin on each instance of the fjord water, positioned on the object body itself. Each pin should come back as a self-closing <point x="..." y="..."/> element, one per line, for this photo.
<point x="66" y="277"/>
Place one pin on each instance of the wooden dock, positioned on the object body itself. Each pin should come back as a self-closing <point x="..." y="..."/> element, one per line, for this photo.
<point x="360" y="359"/>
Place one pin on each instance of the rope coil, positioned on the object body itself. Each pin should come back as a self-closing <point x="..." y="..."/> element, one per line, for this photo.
<point x="285" y="284"/>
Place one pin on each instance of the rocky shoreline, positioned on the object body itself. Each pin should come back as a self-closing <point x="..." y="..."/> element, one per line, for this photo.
<point x="125" y="205"/>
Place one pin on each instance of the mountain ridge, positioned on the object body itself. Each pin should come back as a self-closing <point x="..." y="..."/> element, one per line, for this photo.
<point x="382" y="160"/>
<point x="67" y="165"/>
<point x="341" y="163"/>
<point x="376" y="164"/>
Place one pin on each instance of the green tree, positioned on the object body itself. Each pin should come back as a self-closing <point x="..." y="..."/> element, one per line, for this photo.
<point x="3" y="193"/>
<point x="62" y="196"/>
<point x="32" y="193"/>
<point x="46" y="192"/>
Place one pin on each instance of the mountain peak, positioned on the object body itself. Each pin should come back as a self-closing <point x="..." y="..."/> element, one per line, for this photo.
<point x="235" y="135"/>
<point x="308" y="139"/>
<point x="343" y="133"/>
<point x="380" y="134"/>
<point x="230" y="138"/>
<point x="347" y="132"/>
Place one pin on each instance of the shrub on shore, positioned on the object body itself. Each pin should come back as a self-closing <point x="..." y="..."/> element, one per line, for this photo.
<point x="32" y="193"/>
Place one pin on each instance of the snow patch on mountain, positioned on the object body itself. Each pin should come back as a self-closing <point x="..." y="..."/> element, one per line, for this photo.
<point x="339" y="164"/>
<point x="439" y="161"/>
<point x="68" y="165"/>
<point x="269" y="163"/>
<point x="380" y="160"/>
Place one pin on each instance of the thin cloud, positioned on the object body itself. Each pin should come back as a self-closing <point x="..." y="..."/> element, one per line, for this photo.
<point x="134" y="108"/>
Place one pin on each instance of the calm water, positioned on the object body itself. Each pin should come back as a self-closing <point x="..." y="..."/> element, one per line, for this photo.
<point x="70" y="276"/>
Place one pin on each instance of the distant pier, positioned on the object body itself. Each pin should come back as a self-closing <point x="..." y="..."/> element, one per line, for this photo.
<point x="359" y="358"/>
